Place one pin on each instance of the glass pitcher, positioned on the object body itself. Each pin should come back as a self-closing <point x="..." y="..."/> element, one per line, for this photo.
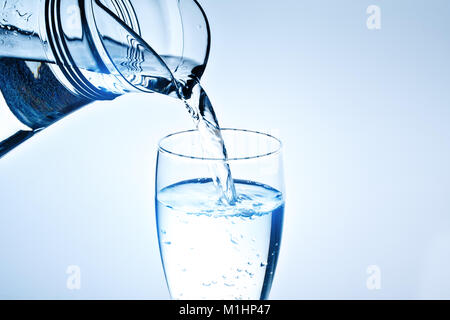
<point x="59" y="55"/>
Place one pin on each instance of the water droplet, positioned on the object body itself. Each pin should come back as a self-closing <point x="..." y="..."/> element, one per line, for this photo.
<point x="263" y="264"/>
<point x="229" y="284"/>
<point x="234" y="240"/>
<point x="167" y="242"/>
<point x="249" y="263"/>
<point x="206" y="284"/>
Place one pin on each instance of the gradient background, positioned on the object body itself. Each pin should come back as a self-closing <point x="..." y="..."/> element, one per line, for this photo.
<point x="364" y="115"/>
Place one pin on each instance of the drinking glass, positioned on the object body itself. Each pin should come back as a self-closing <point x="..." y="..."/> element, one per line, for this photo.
<point x="209" y="248"/>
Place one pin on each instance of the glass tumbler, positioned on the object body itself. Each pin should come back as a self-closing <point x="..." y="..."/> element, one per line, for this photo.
<point x="210" y="249"/>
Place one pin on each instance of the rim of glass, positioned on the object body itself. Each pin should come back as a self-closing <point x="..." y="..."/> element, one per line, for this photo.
<point x="276" y="150"/>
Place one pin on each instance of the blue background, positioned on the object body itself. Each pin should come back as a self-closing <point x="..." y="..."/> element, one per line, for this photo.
<point x="364" y="116"/>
